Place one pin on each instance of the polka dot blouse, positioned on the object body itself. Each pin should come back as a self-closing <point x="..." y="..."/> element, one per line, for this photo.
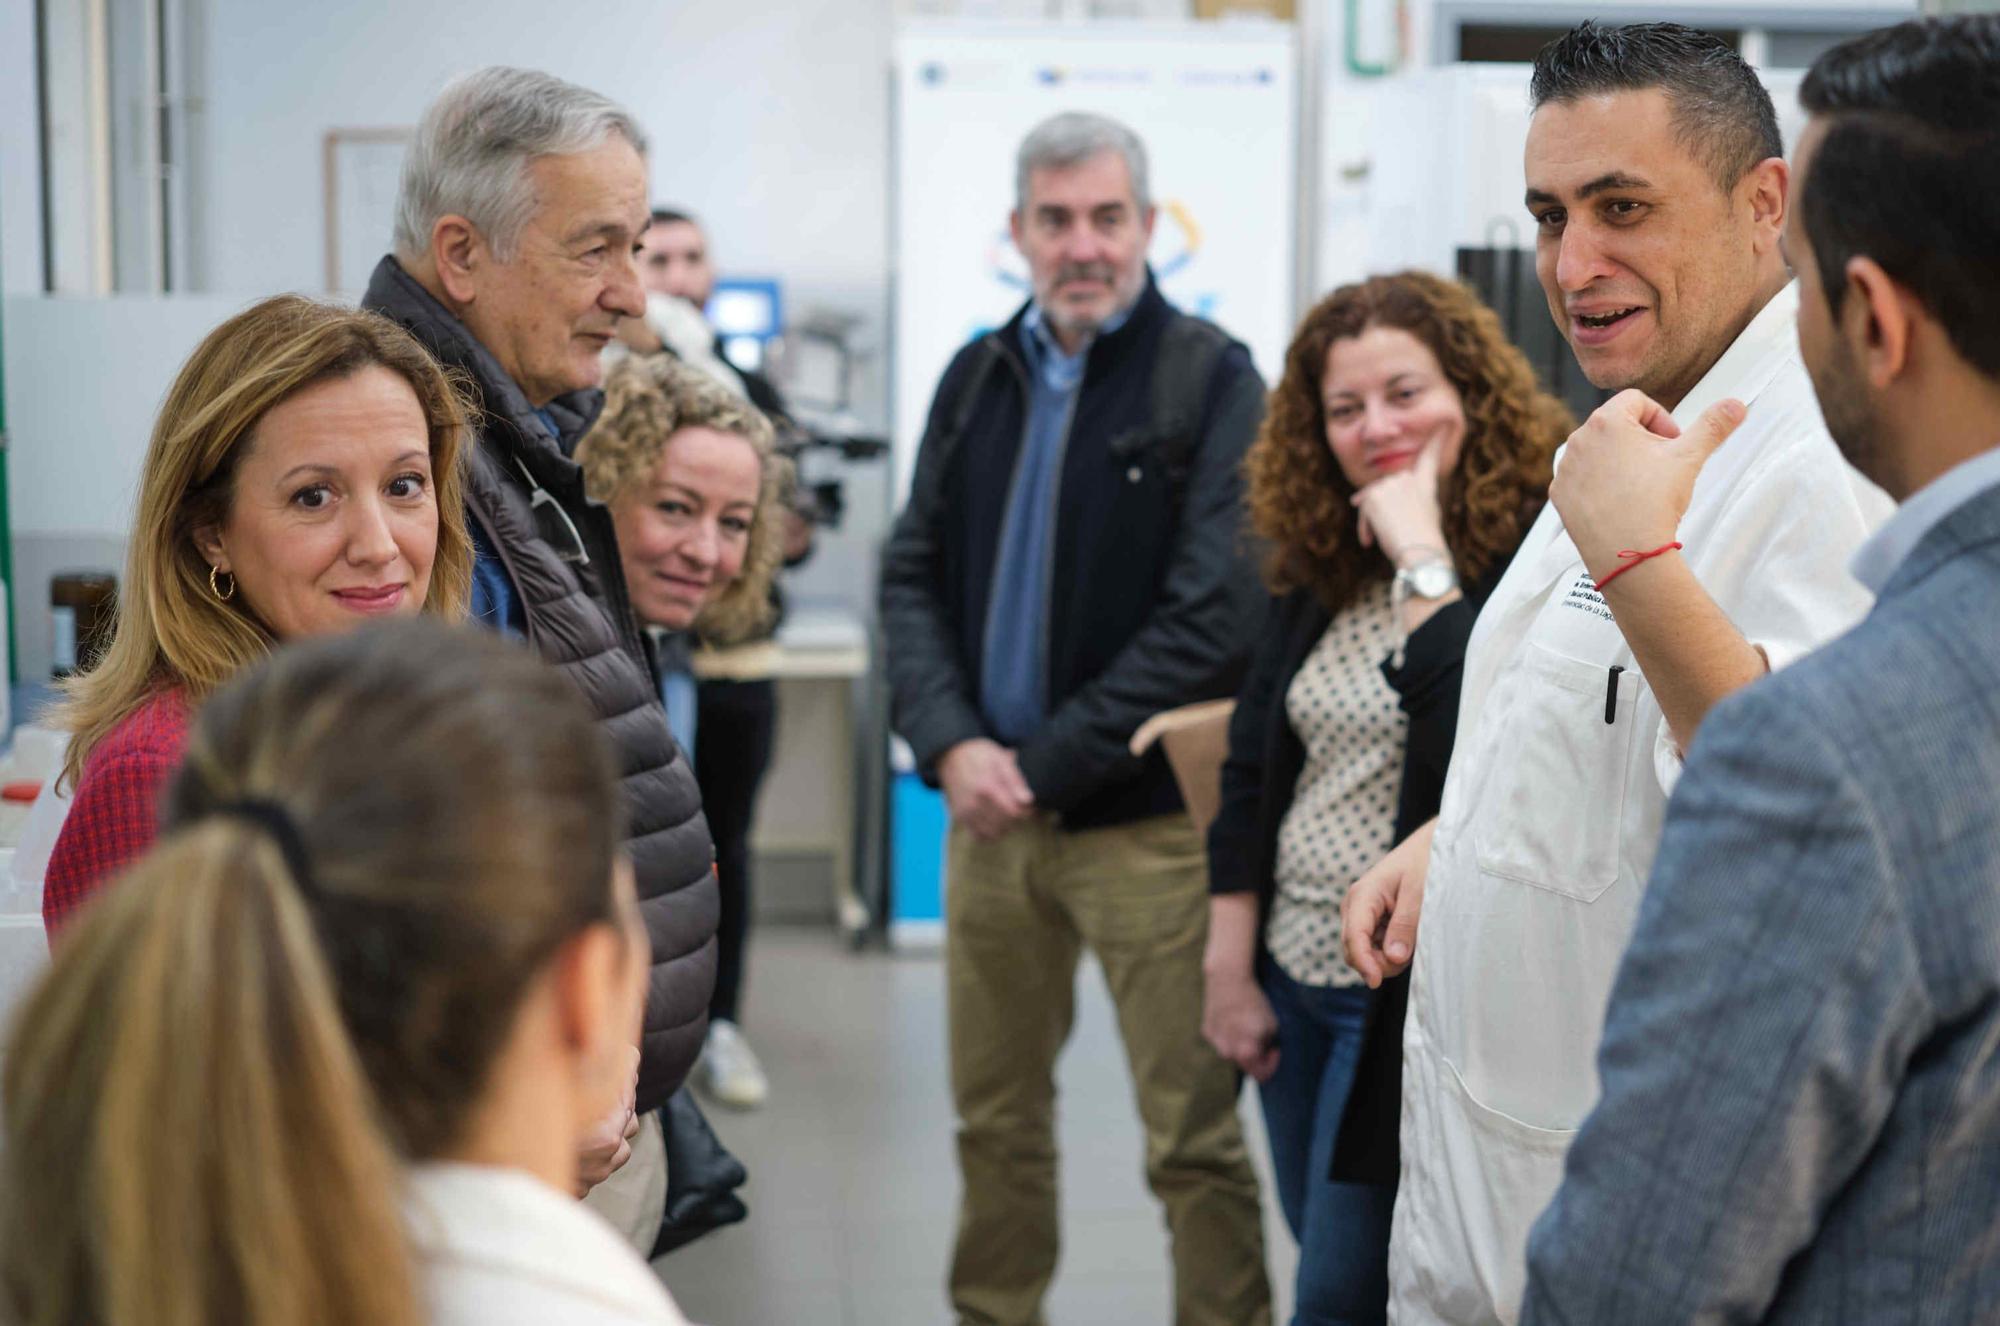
<point x="1343" y="814"/>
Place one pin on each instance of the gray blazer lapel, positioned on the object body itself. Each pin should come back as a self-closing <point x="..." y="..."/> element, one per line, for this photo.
<point x="1975" y="524"/>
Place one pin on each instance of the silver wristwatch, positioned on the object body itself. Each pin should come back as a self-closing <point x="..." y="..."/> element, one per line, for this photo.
<point x="1430" y="579"/>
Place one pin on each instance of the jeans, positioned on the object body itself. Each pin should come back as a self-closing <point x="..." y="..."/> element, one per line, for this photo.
<point x="1342" y="1229"/>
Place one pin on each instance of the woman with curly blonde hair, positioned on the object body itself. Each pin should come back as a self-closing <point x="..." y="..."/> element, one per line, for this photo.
<point x="1405" y="453"/>
<point x="689" y="472"/>
<point x="696" y="494"/>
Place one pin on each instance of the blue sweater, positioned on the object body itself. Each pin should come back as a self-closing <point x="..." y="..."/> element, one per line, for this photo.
<point x="1014" y="686"/>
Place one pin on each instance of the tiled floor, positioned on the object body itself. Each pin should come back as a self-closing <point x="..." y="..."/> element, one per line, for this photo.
<point x="853" y="1189"/>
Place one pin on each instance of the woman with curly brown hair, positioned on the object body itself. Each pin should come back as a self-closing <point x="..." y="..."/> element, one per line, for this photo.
<point x="1406" y="451"/>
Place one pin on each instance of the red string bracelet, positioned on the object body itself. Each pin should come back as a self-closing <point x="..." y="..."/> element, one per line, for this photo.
<point x="1632" y="558"/>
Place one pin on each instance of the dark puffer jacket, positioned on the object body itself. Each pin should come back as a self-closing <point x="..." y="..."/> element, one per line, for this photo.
<point x="579" y="619"/>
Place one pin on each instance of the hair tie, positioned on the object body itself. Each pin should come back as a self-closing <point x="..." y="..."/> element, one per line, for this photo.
<point x="277" y="823"/>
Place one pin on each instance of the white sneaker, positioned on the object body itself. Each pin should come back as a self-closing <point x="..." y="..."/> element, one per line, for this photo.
<point x="729" y="1071"/>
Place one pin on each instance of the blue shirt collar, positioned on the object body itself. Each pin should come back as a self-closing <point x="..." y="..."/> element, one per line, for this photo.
<point x="1059" y="370"/>
<point x="1876" y="560"/>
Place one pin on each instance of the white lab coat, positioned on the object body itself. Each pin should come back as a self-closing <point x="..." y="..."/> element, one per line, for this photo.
<point x="1552" y="812"/>
<point x="497" y="1247"/>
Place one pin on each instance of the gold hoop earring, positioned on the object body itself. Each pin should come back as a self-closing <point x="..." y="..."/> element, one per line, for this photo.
<point x="216" y="589"/>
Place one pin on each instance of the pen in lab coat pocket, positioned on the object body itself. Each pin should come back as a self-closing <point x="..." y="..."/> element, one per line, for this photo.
<point x="1611" y="695"/>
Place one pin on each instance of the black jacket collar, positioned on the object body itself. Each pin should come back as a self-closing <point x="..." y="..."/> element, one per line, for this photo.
<point x="1148" y="313"/>
<point x="395" y="293"/>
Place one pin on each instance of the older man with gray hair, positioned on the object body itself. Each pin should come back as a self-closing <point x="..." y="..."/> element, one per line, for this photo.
<point x="520" y="211"/>
<point x="1070" y="562"/>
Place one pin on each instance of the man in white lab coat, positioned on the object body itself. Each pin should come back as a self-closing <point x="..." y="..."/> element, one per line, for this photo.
<point x="1698" y="534"/>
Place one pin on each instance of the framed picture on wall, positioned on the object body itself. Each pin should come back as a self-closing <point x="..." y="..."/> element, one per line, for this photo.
<point x="361" y="169"/>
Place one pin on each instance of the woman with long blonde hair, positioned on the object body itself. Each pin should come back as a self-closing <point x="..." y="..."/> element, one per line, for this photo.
<point x="1404" y="455"/>
<point x="303" y="478"/>
<point x="323" y="1057"/>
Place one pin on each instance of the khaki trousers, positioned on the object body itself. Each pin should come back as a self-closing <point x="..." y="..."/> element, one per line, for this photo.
<point x="633" y="1200"/>
<point x="1018" y="913"/>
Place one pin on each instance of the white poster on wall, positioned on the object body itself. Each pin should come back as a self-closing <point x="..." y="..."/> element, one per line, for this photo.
<point x="1214" y="103"/>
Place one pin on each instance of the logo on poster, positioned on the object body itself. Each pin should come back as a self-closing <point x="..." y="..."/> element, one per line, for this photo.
<point x="1056" y="76"/>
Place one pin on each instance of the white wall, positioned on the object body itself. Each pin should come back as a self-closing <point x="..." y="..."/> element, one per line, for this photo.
<point x="84" y="379"/>
<point x="771" y="120"/>
<point x="20" y="151"/>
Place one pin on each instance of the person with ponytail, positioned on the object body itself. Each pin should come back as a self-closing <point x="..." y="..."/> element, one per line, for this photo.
<point x="324" y="1056"/>
<point x="303" y="478"/>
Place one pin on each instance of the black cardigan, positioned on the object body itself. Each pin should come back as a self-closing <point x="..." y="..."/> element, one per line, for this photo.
<point x="1259" y="778"/>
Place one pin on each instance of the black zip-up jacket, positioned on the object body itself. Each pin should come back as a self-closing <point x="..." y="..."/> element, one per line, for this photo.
<point x="579" y="619"/>
<point x="1154" y="594"/>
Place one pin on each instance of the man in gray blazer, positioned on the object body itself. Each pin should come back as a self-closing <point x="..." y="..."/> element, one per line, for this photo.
<point x="1800" y="1118"/>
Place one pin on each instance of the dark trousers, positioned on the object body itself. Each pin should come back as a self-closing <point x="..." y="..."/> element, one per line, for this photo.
<point x="736" y="724"/>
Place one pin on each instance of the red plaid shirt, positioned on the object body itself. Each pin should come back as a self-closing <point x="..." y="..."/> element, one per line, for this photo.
<point x="115" y="813"/>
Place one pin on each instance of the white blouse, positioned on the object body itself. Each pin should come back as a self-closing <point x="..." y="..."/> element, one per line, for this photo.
<point x="497" y="1247"/>
<point x="1343" y="812"/>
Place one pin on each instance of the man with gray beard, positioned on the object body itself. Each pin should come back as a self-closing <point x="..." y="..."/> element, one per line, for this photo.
<point x="1071" y="562"/>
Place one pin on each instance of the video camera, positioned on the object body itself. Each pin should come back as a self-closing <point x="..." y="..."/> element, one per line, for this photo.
<point x="823" y="499"/>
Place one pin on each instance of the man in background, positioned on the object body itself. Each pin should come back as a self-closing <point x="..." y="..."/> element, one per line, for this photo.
<point x="1072" y="561"/>
<point x="679" y="279"/>
<point x="1801" y="1088"/>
